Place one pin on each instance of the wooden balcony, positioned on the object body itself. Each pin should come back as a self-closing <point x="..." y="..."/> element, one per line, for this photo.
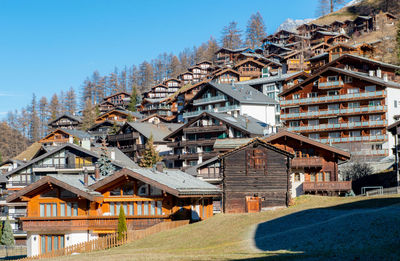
<point x="81" y="223"/>
<point x="205" y="129"/>
<point x="201" y="142"/>
<point x="119" y="137"/>
<point x="131" y="148"/>
<point x="312" y="162"/>
<point x="330" y="186"/>
<point x="171" y="157"/>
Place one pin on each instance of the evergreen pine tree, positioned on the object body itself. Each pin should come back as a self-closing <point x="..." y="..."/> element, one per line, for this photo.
<point x="133" y="101"/>
<point x="150" y="155"/>
<point x="105" y="166"/>
<point x="7" y="237"/>
<point x="122" y="228"/>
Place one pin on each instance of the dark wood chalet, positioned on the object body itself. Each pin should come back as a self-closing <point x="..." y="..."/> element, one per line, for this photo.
<point x="255" y="176"/>
<point x="65" y="121"/>
<point x="118" y="115"/>
<point x="193" y="142"/>
<point x="249" y="69"/>
<point x="117" y="99"/>
<point x="227" y="76"/>
<point x="226" y="56"/>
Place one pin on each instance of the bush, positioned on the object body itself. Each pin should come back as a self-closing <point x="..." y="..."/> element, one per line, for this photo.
<point x="357" y="170"/>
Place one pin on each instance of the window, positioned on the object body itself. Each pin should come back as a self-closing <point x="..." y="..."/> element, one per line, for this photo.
<point x="334" y="134"/>
<point x="374" y="103"/>
<point x="327" y="176"/>
<point x="333" y="106"/>
<point x="312" y="177"/>
<point x="356" y="133"/>
<point x="375" y="117"/>
<point x="146" y="208"/>
<point x="139" y="208"/>
<point x="314" y="136"/>
<point x="320" y="177"/>
<point x="354" y="105"/>
<point x="297" y="177"/>
<point x="155" y="191"/>
<point x="296" y="96"/>
<point x="51" y="242"/>
<point x="152" y="208"/>
<point x="375" y="132"/>
<point x="42" y="207"/>
<point x="143" y="190"/>
<point x="395" y="103"/>
<point x="62" y="209"/>
<point x="313" y="108"/>
<point x="159" y="207"/>
<point x="312" y="94"/>
<point x="353" y="90"/>
<point x="256" y="159"/>
<point x="354" y="119"/>
<point x="313" y="122"/>
<point x="332" y="78"/>
<point x="294" y="110"/>
<point x="333" y="120"/>
<point x="294" y="123"/>
<point x="348" y="79"/>
<point x="127" y="189"/>
<point x="370" y="88"/>
<point x="332" y="93"/>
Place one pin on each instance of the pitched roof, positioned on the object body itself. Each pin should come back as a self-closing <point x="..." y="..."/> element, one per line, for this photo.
<point x="238" y="50"/>
<point x="73" y="183"/>
<point x="261" y="142"/>
<point x="30" y="152"/>
<point x="222" y="71"/>
<point x="243" y="93"/>
<point x="174" y="182"/>
<point x="246" y="124"/>
<point x="304" y="139"/>
<point x="115" y="94"/>
<point x="249" y="60"/>
<point x="271" y="79"/>
<point x="126" y="112"/>
<point x="362" y="76"/>
<point x="51" y="152"/>
<point x="193" y="169"/>
<point x="230" y="143"/>
<point x="67" y="115"/>
<point x="147" y="129"/>
<point x="319" y="56"/>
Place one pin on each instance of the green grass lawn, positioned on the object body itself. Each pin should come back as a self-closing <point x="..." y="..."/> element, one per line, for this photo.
<point x="315" y="228"/>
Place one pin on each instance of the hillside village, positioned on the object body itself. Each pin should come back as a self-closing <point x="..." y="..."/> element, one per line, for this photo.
<point x="250" y="130"/>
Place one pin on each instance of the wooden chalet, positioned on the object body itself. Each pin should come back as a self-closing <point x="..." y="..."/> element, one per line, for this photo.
<point x="338" y="50"/>
<point x="337" y="26"/>
<point x="98" y="131"/>
<point x="296" y="62"/>
<point x="158" y="91"/>
<point x="322" y="37"/>
<point x="314" y="169"/>
<point x="226" y="75"/>
<point x="272" y="48"/>
<point x="160" y="106"/>
<point x="317" y="61"/>
<point x="65" y="121"/>
<point x="193" y="142"/>
<point x="132" y="137"/>
<point x="348" y="103"/>
<point x="320" y="48"/>
<point x="62" y="136"/>
<point x="118" y="115"/>
<point x="338" y="39"/>
<point x="255" y="176"/>
<point x="66" y="209"/>
<point x="120" y="99"/>
<point x="226" y="56"/>
<point x="363" y="24"/>
<point x="384" y="19"/>
<point x="280" y="37"/>
<point x="186" y="78"/>
<point x="249" y="69"/>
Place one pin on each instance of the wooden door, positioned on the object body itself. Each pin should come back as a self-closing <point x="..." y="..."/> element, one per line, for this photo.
<point x="253" y="204"/>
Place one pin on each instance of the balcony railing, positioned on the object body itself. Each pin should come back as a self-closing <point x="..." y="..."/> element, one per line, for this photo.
<point x="219" y="109"/>
<point x="352" y="139"/>
<point x="339" y="126"/>
<point x="120" y="137"/>
<point x="327" y="186"/>
<point x="319" y="113"/>
<point x="88" y="223"/>
<point x="205" y="129"/>
<point x="334" y="98"/>
<point x="200" y="142"/>
<point x="312" y="162"/>
<point x="218" y="98"/>
<point x="330" y="85"/>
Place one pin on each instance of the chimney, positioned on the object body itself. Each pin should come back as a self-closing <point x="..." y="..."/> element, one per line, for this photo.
<point x="160" y="166"/>
<point x="113" y="155"/>
<point x="371" y="73"/>
<point x="97" y="172"/>
<point x="85" y="177"/>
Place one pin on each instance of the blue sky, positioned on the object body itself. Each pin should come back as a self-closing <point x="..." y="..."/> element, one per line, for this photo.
<point x="48" y="46"/>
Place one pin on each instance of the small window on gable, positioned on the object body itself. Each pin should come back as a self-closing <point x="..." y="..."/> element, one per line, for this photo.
<point x="67" y="194"/>
<point x="256" y="159"/>
<point x="155" y="191"/>
<point x="49" y="194"/>
<point x="143" y="190"/>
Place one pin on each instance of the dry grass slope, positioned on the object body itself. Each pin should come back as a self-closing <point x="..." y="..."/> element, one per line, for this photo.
<point x="358" y="224"/>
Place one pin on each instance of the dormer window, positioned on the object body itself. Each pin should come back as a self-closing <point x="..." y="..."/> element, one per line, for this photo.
<point x="143" y="190"/>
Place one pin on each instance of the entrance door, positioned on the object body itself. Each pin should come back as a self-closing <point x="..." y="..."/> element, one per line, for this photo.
<point x="253" y="204"/>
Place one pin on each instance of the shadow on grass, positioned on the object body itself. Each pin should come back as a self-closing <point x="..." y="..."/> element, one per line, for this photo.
<point x="351" y="231"/>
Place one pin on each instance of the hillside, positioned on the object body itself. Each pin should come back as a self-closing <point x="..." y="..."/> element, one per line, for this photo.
<point x="315" y="227"/>
<point x="12" y="142"/>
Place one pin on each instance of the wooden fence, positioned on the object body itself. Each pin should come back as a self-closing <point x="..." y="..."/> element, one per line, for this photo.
<point x="109" y="241"/>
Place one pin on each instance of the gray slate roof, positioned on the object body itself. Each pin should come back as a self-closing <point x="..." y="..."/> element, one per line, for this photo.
<point x="270" y="79"/>
<point x="246" y="123"/>
<point x="78" y="133"/>
<point x="120" y="157"/>
<point x="243" y="93"/>
<point x="147" y="129"/>
<point x="179" y="180"/>
<point x="367" y="77"/>
<point x="230" y="143"/>
<point x="73" y="117"/>
<point x="77" y="181"/>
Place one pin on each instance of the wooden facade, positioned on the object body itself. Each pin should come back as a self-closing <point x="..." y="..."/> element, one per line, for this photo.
<point x="255" y="176"/>
<point x="65" y="121"/>
<point x="116" y="115"/>
<point x="249" y="69"/>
